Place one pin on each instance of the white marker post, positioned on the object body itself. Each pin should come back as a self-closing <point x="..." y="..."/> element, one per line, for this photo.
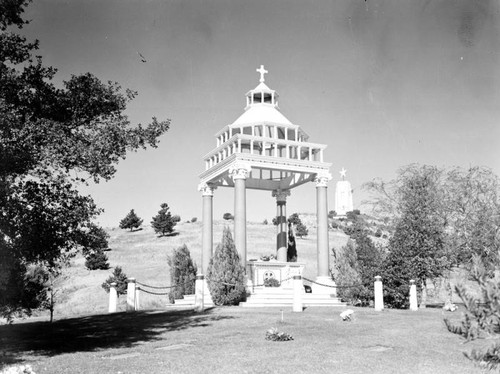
<point x="379" y="294"/>
<point x="413" y="296"/>
<point x="113" y="298"/>
<point x="199" y="303"/>
<point x="298" y="290"/>
<point x="131" y="295"/>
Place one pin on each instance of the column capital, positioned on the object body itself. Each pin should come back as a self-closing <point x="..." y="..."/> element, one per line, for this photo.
<point x="240" y="171"/>
<point x="281" y="195"/>
<point x="322" y="179"/>
<point x="207" y="189"/>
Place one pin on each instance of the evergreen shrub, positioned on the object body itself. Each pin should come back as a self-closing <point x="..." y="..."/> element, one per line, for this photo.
<point x="226" y="274"/>
<point x="118" y="277"/>
<point x="182" y="273"/>
<point x="97" y="260"/>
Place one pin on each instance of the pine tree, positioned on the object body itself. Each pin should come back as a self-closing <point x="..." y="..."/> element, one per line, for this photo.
<point x="163" y="223"/>
<point x="226" y="274"/>
<point x="182" y="273"/>
<point x="118" y="277"/>
<point x="131" y="221"/>
<point x="97" y="260"/>
<point x="301" y="230"/>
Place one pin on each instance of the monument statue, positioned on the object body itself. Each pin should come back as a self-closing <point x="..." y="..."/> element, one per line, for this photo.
<point x="291" y="255"/>
<point x="343" y="195"/>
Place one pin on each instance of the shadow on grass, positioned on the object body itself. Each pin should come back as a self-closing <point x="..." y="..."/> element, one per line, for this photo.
<point x="118" y="330"/>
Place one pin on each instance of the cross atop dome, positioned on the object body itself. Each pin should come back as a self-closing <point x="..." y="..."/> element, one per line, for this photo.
<point x="262" y="71"/>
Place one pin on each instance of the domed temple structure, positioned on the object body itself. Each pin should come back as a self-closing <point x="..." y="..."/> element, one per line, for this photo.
<point x="263" y="150"/>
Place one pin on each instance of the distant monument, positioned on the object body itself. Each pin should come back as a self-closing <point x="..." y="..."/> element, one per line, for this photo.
<point x="343" y="195"/>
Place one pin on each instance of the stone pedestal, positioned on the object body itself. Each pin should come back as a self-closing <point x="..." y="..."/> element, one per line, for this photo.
<point x="283" y="272"/>
<point x="326" y="286"/>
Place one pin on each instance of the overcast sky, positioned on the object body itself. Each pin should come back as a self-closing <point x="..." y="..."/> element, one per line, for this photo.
<point x="383" y="83"/>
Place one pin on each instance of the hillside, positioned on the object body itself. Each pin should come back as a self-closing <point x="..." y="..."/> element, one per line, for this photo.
<point x="143" y="255"/>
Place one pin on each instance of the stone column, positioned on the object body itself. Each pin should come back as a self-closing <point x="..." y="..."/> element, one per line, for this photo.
<point x="130" y="294"/>
<point x="323" y="250"/>
<point x="413" y="296"/>
<point x="281" y="236"/>
<point x="207" y="192"/>
<point x="239" y="173"/>
<point x="378" y="290"/>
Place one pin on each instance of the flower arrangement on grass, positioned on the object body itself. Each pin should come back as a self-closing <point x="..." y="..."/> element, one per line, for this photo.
<point x="277" y="336"/>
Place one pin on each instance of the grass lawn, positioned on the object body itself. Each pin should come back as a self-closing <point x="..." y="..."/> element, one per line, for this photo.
<point x="232" y="340"/>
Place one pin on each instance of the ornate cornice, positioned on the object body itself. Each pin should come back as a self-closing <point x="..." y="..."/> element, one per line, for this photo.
<point x="323" y="179"/>
<point x="207" y="189"/>
<point x="240" y="171"/>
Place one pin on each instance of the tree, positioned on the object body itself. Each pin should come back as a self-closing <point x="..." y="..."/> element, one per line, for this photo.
<point x="294" y="219"/>
<point x="182" y="273"/>
<point x="346" y="273"/>
<point x="176" y="218"/>
<point x="226" y="274"/>
<point x="131" y="221"/>
<point x="97" y="260"/>
<point x="481" y="318"/>
<point x="417" y="249"/>
<point x="227" y="216"/>
<point x="118" y="277"/>
<point x="51" y="140"/>
<point x="301" y="230"/>
<point x="163" y="223"/>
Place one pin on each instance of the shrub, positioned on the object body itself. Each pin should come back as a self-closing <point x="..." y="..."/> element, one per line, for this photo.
<point x="119" y="278"/>
<point x="182" y="273"/>
<point x="271" y="282"/>
<point x="332" y="214"/>
<point x="265" y="222"/>
<point x="275" y="221"/>
<point x="97" y="260"/>
<point x="194" y="219"/>
<point x="378" y="233"/>
<point x="294" y="219"/>
<point x="301" y="230"/>
<point x="481" y="317"/>
<point x="226" y="274"/>
<point x="131" y="221"/>
<point x="227" y="216"/>
<point x="163" y="222"/>
<point x="176" y="218"/>
<point x="346" y="273"/>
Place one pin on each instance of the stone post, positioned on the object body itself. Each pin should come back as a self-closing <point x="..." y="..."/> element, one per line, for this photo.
<point x="199" y="302"/>
<point x="239" y="173"/>
<point x="137" y="304"/>
<point x="207" y="233"/>
<point x="298" y="291"/>
<point x="113" y="298"/>
<point x="281" y="236"/>
<point x="131" y="294"/>
<point x="379" y="294"/>
<point x="323" y="250"/>
<point x="413" y="296"/>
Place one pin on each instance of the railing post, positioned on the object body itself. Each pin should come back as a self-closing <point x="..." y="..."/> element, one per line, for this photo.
<point x="130" y="294"/>
<point x="298" y="290"/>
<point x="113" y="298"/>
<point x="379" y="294"/>
<point x="199" y="295"/>
<point x="413" y="296"/>
<point x="137" y="305"/>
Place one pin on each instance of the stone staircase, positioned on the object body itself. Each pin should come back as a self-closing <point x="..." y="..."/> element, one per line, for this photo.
<point x="270" y="297"/>
<point x="282" y="297"/>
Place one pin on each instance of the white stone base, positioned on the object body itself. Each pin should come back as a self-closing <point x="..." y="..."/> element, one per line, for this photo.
<point x="327" y="289"/>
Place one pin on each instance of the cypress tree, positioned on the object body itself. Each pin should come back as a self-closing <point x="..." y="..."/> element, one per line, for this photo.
<point x="226" y="274"/>
<point x="182" y="273"/>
